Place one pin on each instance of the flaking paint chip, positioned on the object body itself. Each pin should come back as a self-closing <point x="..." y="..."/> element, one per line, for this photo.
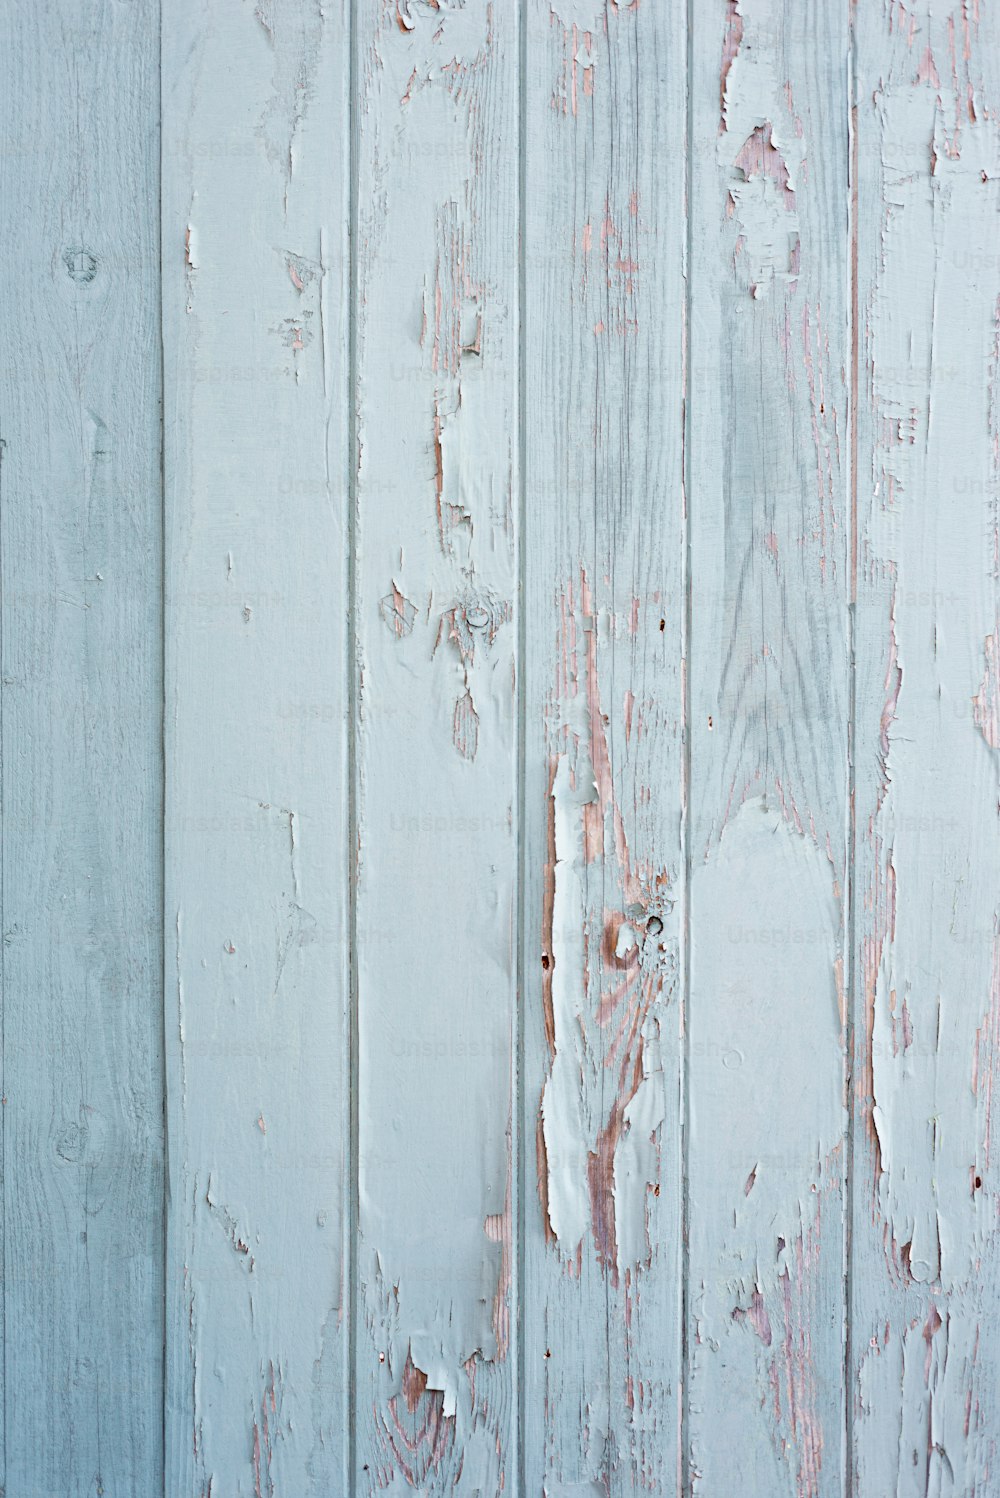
<point x="398" y="613"/>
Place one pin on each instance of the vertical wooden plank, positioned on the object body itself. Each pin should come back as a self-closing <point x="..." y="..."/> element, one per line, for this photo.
<point x="80" y="527"/>
<point x="254" y="236"/>
<point x="770" y="698"/>
<point x="437" y="348"/>
<point x="604" y="555"/>
<point x="925" y="1333"/>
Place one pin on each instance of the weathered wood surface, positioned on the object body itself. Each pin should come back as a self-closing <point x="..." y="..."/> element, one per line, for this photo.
<point x="80" y="537"/>
<point x="604" y="607"/>
<point x="560" y="922"/>
<point x="255" y="192"/>
<point x="769" y="665"/>
<point x="436" y="452"/>
<point x="924" y="1317"/>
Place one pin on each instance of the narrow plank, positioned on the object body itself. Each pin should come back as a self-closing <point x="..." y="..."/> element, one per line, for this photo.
<point x="604" y="557"/>
<point x="926" y="1276"/>
<point x="80" y="567"/>
<point x="254" y="249"/>
<point x="770" y="698"/>
<point x="436" y="400"/>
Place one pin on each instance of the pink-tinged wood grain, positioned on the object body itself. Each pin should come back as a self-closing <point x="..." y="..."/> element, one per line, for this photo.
<point x="579" y="780"/>
<point x="604" y="563"/>
<point x="436" y="402"/>
<point x="769" y="670"/>
<point x="924" y="1320"/>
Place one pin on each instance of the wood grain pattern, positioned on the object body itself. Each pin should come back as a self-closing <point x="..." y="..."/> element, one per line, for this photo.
<point x="436" y="559"/>
<point x="604" y="550"/>
<point x="925" y="1337"/>
<point x="516" y="790"/>
<point x="770" y="695"/>
<point x="254" y="253"/>
<point x="80" y="529"/>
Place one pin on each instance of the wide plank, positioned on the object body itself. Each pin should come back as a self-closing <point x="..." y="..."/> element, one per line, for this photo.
<point x="81" y="706"/>
<point x="604" y="550"/>
<point x="255" y="214"/>
<point x="435" y="559"/>
<point x="925" y="1304"/>
<point x="769" y="673"/>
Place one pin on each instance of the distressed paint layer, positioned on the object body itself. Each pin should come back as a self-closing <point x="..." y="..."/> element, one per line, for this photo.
<point x="436" y="469"/>
<point x="604" y="547"/>
<point x="255" y="150"/>
<point x="690" y="821"/>
<point x="770" y="675"/>
<point x="924" y="1321"/>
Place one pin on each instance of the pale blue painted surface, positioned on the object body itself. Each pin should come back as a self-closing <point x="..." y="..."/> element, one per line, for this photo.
<point x="769" y="783"/>
<point x="604" y="767"/>
<point x="255" y="173"/>
<point x="80" y="569"/>
<point x="561" y="933"/>
<point x="436" y="546"/>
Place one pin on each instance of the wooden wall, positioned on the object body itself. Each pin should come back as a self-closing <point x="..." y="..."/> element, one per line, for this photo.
<point x="499" y="731"/>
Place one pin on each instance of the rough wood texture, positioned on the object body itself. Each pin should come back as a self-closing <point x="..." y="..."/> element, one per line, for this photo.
<point x="254" y="257"/>
<point x="80" y="574"/>
<point x="924" y="1330"/>
<point x="604" y="560"/>
<point x="81" y="620"/>
<point x="570" y="963"/>
<point x="437" y="487"/>
<point x="770" y="694"/>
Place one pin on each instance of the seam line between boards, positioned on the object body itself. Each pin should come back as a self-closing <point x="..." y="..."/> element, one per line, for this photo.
<point x="3" y="982"/>
<point x="518" y="1118"/>
<point x="684" y="1461"/>
<point x="352" y="1254"/>
<point x="853" y="189"/>
<point x="162" y="954"/>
